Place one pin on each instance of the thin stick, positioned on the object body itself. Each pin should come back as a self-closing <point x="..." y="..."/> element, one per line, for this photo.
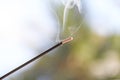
<point x="35" y="58"/>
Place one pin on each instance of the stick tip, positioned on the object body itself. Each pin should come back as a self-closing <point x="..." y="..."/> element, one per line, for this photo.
<point x="67" y="40"/>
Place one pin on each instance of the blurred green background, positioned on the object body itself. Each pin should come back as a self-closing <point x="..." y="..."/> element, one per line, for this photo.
<point x="89" y="56"/>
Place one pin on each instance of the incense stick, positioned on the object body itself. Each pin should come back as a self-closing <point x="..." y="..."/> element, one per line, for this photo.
<point x="37" y="57"/>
